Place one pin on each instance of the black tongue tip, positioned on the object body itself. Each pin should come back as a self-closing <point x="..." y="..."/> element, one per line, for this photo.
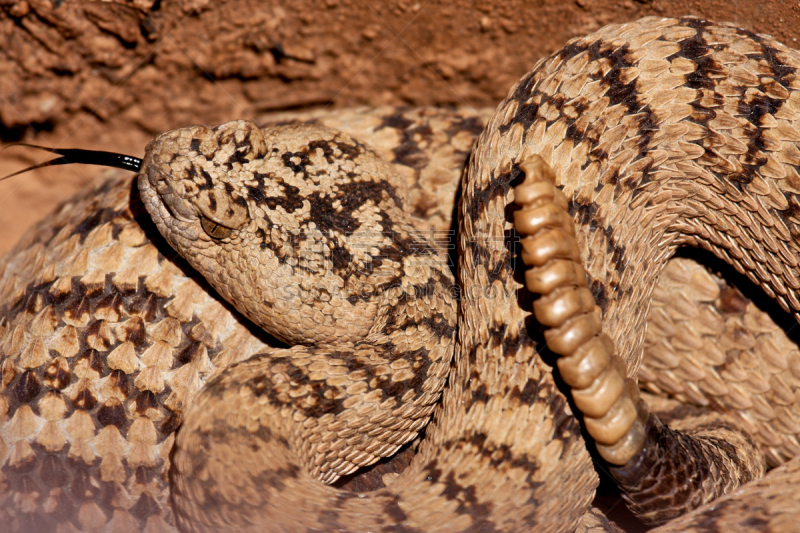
<point x="71" y="156"/>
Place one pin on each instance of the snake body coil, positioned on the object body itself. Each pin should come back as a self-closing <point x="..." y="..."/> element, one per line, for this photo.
<point x="659" y="133"/>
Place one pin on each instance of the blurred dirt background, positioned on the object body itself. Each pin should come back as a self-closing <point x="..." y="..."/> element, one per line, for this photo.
<point x="109" y="75"/>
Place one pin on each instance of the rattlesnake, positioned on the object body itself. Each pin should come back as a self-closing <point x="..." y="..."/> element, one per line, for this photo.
<point x="504" y="435"/>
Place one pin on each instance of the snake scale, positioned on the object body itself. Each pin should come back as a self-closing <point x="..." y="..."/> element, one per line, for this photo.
<point x="659" y="133"/>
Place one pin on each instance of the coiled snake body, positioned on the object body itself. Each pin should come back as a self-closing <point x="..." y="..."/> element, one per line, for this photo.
<point x="660" y="133"/>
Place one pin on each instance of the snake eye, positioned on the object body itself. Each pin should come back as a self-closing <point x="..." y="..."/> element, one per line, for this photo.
<point x="214" y="230"/>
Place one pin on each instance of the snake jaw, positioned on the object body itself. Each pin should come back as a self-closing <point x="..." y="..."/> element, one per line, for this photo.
<point x="174" y="217"/>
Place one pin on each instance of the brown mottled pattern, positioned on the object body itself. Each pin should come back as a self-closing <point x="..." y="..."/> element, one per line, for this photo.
<point x="662" y="133"/>
<point x="300" y="227"/>
<point x="106" y="335"/>
<point x="37" y="496"/>
<point x="503" y="441"/>
<point x="104" y="341"/>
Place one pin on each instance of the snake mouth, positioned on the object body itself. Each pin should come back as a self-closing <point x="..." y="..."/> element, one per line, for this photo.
<point x="151" y="188"/>
<point x="161" y="196"/>
<point x="174" y="217"/>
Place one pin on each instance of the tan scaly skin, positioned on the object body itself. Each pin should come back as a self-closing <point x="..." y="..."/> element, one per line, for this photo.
<point x="651" y="157"/>
<point x="503" y="440"/>
<point x="127" y="356"/>
<point x="595" y="94"/>
<point x="701" y="466"/>
<point x="293" y="418"/>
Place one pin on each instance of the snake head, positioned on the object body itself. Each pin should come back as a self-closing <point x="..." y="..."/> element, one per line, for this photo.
<point x="280" y="219"/>
<point x="189" y="182"/>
